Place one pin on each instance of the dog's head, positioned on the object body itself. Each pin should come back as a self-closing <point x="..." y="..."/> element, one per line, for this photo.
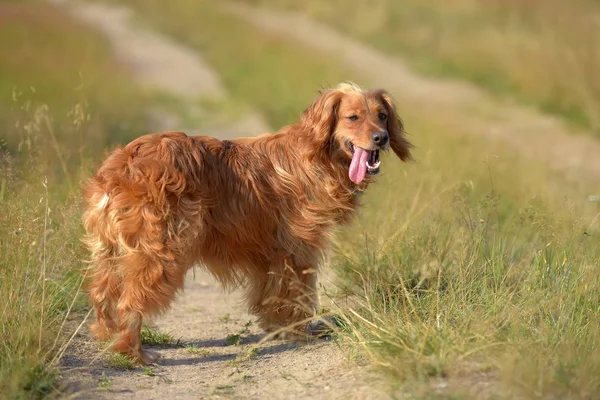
<point x="355" y="125"/>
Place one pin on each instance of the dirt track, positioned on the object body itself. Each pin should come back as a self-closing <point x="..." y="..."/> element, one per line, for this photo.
<point x="207" y="365"/>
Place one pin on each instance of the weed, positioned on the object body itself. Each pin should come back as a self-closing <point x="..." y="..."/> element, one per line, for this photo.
<point x="153" y="337"/>
<point x="148" y="371"/>
<point x="121" y="361"/>
<point x="41" y="381"/>
<point x="194" y="349"/>
<point x="236" y="338"/>
<point x="105" y="382"/>
<point x="224" y="318"/>
<point x="250" y="353"/>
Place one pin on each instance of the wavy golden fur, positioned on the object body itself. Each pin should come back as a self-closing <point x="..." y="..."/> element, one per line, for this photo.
<point x="256" y="212"/>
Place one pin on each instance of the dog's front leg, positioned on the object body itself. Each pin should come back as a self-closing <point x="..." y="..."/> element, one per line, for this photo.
<point x="285" y="300"/>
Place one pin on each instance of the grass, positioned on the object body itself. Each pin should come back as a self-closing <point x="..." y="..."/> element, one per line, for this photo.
<point x="62" y="100"/>
<point x="236" y="339"/>
<point x="224" y="389"/>
<point x="225" y="318"/>
<point x="153" y="337"/>
<point x="121" y="361"/>
<point x="243" y="357"/>
<point x="48" y="59"/>
<point x="105" y="382"/>
<point x="541" y="52"/>
<point x="469" y="270"/>
<point x="194" y="349"/>
<point x="469" y="291"/>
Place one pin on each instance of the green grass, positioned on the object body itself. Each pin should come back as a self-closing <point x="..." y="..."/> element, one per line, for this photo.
<point x="69" y="73"/>
<point x="236" y="339"/>
<point x="121" y="361"/>
<point x="244" y="356"/>
<point x="63" y="99"/>
<point x="225" y="318"/>
<point x="541" y="52"/>
<point x="194" y="349"/>
<point x="470" y="268"/>
<point x="153" y="337"/>
<point x="105" y="382"/>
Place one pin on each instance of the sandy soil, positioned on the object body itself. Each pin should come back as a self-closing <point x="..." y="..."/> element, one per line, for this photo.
<point x="204" y="364"/>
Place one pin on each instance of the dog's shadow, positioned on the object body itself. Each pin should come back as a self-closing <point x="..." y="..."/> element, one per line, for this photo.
<point x="276" y="348"/>
<point x="250" y="339"/>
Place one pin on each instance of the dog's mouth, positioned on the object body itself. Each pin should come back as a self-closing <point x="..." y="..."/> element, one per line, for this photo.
<point x="363" y="162"/>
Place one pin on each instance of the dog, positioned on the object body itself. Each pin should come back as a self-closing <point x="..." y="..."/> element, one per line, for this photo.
<point x="256" y="212"/>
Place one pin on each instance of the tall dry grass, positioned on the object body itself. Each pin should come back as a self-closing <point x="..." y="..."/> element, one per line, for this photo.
<point x="63" y="99"/>
<point x="473" y="295"/>
<point x="40" y="253"/>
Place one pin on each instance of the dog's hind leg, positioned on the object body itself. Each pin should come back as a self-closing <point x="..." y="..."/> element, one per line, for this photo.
<point x="104" y="292"/>
<point x="104" y="287"/>
<point x="150" y="284"/>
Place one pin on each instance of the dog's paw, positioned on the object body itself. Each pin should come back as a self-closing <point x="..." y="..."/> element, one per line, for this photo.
<point x="147" y="357"/>
<point x="323" y="327"/>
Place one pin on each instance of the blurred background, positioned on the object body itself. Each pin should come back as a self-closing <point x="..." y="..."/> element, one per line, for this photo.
<point x="481" y="257"/>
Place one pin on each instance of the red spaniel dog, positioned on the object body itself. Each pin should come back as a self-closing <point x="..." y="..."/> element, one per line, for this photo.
<point x="255" y="212"/>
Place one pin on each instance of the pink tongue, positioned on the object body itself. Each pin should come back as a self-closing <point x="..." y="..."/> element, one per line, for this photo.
<point x="358" y="166"/>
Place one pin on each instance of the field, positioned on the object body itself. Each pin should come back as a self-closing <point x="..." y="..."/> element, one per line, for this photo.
<point x="542" y="53"/>
<point x="471" y="273"/>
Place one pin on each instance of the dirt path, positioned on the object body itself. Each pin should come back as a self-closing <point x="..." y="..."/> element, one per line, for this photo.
<point x="165" y="67"/>
<point x="544" y="138"/>
<point x="204" y="364"/>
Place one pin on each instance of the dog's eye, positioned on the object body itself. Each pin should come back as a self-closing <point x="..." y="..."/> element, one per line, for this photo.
<point x="353" y="118"/>
<point x="382" y="116"/>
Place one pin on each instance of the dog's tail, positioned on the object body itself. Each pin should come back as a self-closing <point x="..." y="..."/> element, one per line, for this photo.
<point x="130" y="203"/>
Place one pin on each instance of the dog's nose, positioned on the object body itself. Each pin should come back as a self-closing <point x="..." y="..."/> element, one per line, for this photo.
<point x="381" y="138"/>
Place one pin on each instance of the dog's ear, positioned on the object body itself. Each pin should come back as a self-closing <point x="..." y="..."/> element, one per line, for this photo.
<point x="398" y="141"/>
<point x="321" y="115"/>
